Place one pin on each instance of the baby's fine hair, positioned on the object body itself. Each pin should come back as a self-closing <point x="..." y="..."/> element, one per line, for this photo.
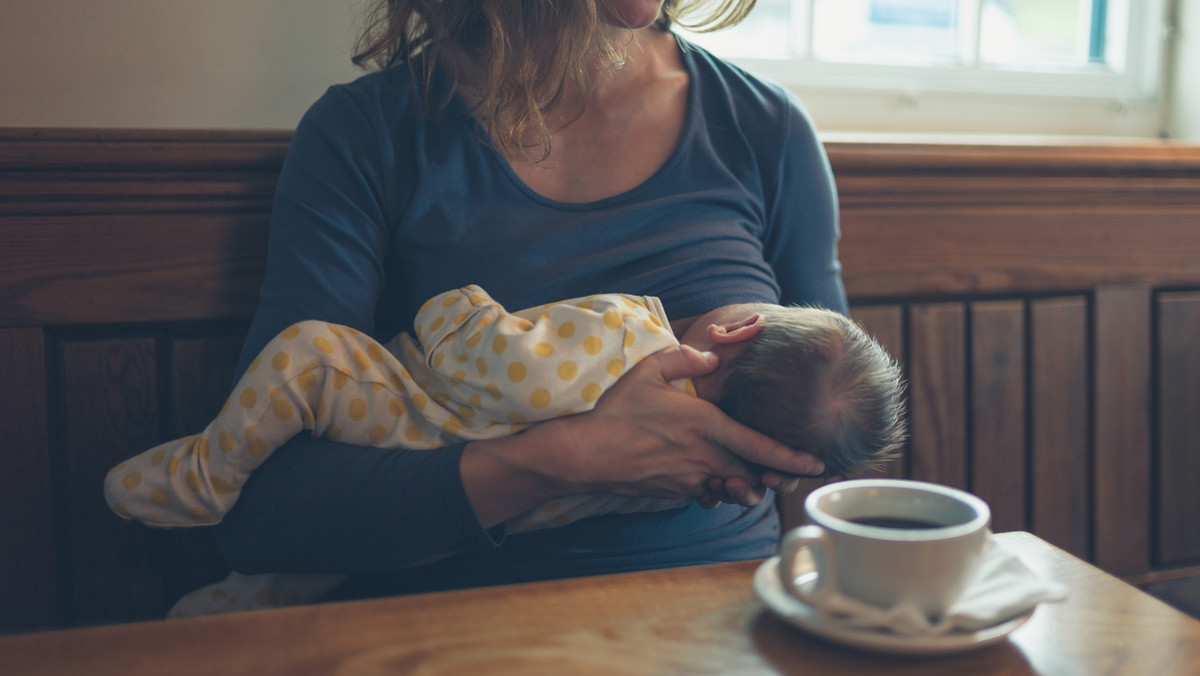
<point x="813" y="379"/>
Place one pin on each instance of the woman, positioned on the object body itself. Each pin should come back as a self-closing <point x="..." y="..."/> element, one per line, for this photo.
<point x="541" y="150"/>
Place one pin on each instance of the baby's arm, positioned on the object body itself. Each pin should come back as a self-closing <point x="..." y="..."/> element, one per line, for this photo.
<point x="515" y="368"/>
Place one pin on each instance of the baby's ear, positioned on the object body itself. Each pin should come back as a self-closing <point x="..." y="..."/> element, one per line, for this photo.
<point x="738" y="332"/>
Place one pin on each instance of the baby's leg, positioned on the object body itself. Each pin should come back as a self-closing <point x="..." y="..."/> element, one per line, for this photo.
<point x="323" y="378"/>
<point x="237" y="593"/>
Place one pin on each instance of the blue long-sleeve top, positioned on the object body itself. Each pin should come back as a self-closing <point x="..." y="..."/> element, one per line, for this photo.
<point x="381" y="205"/>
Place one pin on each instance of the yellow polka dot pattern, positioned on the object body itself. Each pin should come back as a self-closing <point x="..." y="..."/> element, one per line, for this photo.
<point x="544" y="348"/>
<point x="477" y="372"/>
<point x="540" y="363"/>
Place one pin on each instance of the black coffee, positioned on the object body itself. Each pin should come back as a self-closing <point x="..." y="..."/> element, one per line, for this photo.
<point x="896" y="522"/>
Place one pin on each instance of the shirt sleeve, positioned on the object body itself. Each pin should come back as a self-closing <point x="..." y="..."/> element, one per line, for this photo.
<point x="802" y="233"/>
<point x="321" y="506"/>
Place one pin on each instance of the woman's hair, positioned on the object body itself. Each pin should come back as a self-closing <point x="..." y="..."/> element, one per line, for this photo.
<point x="817" y="382"/>
<point x="521" y="54"/>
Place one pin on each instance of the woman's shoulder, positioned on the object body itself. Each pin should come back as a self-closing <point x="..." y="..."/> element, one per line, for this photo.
<point x="380" y="110"/>
<point x="386" y="94"/>
<point x="725" y="84"/>
<point x="744" y="111"/>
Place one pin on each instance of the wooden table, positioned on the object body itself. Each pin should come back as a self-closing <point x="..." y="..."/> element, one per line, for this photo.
<point x="687" y="620"/>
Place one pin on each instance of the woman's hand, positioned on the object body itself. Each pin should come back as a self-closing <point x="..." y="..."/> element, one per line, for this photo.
<point x="643" y="438"/>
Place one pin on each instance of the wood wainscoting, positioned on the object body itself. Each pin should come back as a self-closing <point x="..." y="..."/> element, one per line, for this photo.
<point x="1044" y="301"/>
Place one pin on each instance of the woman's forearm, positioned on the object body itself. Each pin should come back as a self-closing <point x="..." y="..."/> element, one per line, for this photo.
<point x="509" y="476"/>
<point x="318" y="506"/>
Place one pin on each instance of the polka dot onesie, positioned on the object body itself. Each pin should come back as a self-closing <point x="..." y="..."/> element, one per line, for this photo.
<point x="478" y="372"/>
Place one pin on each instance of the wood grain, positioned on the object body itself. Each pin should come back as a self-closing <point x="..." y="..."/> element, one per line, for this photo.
<point x="998" y="399"/>
<point x="110" y="412"/>
<point x="1060" y="437"/>
<point x="118" y="226"/>
<point x="937" y="363"/>
<point x="1005" y="217"/>
<point x="1005" y="250"/>
<point x="992" y="155"/>
<point x="124" y="150"/>
<point x="1122" y="429"/>
<point x="885" y="323"/>
<point x="98" y="269"/>
<point x="697" y="620"/>
<point x="1177" y="537"/>
<point x="29" y="593"/>
<point x="201" y="378"/>
<point x="200" y="375"/>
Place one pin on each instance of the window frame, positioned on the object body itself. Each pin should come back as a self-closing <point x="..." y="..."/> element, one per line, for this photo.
<point x="1093" y="101"/>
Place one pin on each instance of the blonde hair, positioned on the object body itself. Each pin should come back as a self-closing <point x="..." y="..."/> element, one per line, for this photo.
<point x="814" y="380"/>
<point x="522" y="55"/>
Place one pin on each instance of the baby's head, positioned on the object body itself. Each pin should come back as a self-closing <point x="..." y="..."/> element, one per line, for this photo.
<point x="808" y="377"/>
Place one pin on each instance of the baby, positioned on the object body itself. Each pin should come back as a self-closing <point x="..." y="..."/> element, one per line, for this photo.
<point x="805" y="376"/>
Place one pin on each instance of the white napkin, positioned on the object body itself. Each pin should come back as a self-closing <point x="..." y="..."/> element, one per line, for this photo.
<point x="1001" y="589"/>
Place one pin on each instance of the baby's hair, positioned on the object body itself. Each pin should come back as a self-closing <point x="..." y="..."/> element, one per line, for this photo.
<point x="813" y="379"/>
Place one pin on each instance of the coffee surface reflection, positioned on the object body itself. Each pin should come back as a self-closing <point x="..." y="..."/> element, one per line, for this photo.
<point x="896" y="522"/>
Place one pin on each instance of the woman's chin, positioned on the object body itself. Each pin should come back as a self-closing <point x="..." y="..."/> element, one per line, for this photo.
<point x="633" y="13"/>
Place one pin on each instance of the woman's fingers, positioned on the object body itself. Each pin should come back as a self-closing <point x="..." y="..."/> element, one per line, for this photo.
<point x="783" y="484"/>
<point x="687" y="362"/>
<point x="736" y="490"/>
<point x="645" y="437"/>
<point x="677" y="362"/>
<point x="759" y="449"/>
<point x="733" y="490"/>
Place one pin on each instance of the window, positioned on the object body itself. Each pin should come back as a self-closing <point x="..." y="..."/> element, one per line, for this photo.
<point x="1065" y="66"/>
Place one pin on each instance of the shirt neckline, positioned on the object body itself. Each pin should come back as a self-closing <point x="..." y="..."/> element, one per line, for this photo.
<point x="685" y="138"/>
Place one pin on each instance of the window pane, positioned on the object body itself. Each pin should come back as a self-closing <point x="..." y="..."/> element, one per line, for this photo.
<point x="1052" y="33"/>
<point x="887" y="31"/>
<point x="766" y="33"/>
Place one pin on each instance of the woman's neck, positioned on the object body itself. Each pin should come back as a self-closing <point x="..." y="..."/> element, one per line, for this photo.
<point x="614" y="135"/>
<point x="644" y="55"/>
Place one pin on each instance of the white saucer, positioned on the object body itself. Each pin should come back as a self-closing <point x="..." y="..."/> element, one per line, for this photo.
<point x="802" y="615"/>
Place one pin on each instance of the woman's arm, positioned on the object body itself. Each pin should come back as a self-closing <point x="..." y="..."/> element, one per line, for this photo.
<point x="802" y="234"/>
<point x="318" y="506"/>
<point x="644" y="438"/>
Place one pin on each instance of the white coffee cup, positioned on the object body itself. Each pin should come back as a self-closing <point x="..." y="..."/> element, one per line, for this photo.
<point x="865" y="543"/>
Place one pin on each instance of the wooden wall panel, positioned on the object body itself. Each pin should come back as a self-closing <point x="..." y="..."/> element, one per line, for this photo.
<point x="937" y="393"/>
<point x="1060" y="438"/>
<point x="1177" y="538"/>
<point x="200" y="377"/>
<point x="988" y="249"/>
<point x="28" y="584"/>
<point x="113" y="226"/>
<point x="1122" y="429"/>
<point x="153" y="267"/>
<point x="998" y="410"/>
<point x="885" y="323"/>
<point x="110" y="411"/>
<point x="1004" y="219"/>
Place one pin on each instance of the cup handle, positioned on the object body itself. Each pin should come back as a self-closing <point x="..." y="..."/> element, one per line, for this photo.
<point x="816" y="541"/>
